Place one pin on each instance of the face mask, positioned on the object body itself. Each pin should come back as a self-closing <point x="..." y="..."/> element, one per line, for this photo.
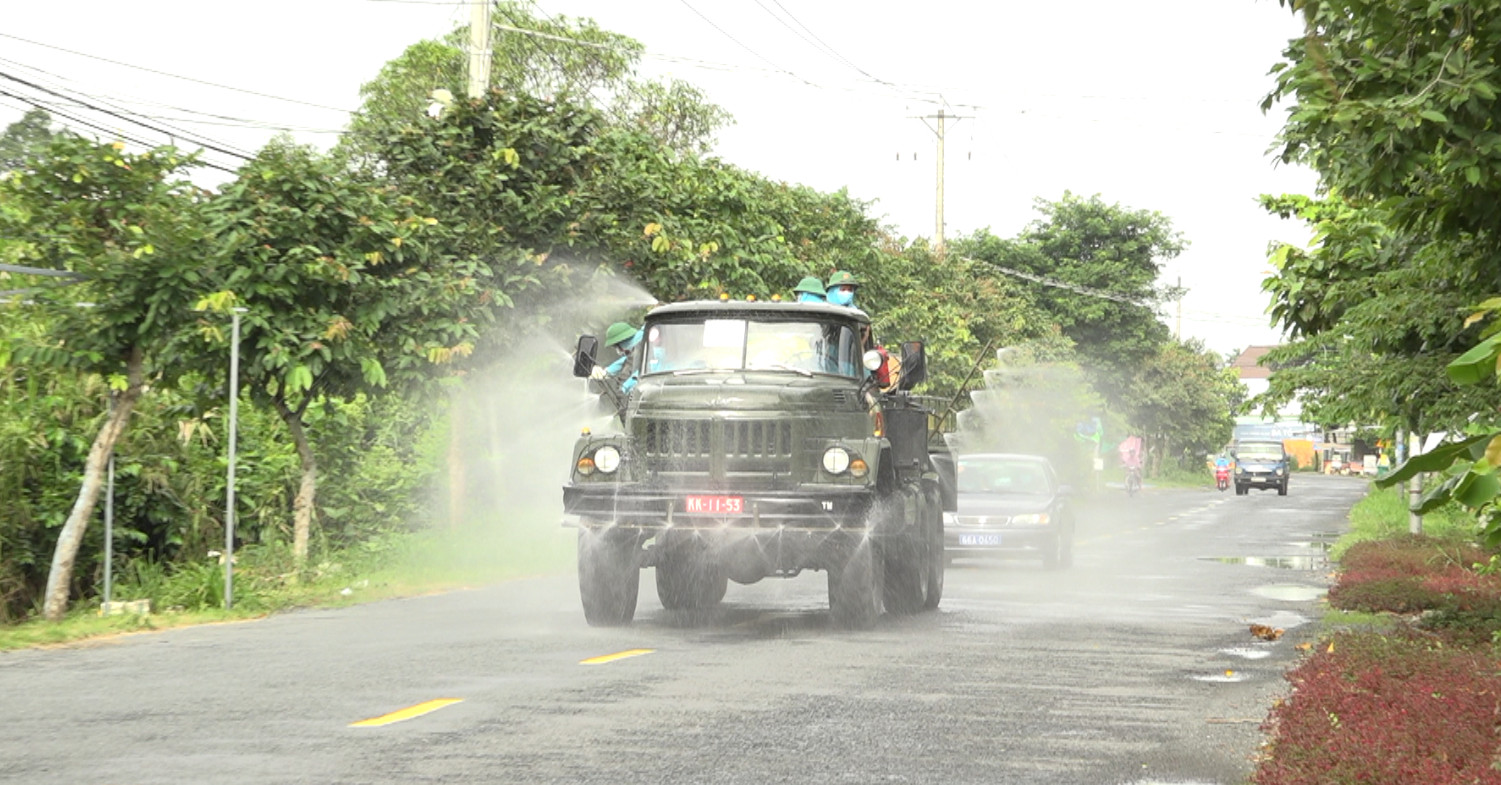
<point x="808" y="297"/>
<point x="842" y="297"/>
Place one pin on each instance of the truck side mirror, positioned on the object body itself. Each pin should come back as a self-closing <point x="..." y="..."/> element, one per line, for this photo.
<point x="583" y="356"/>
<point x="914" y="365"/>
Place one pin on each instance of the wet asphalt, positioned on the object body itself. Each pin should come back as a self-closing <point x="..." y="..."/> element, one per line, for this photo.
<point x="1136" y="666"/>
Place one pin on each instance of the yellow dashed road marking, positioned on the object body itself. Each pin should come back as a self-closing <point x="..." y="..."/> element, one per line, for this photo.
<point x="407" y="713"/>
<point x="619" y="655"/>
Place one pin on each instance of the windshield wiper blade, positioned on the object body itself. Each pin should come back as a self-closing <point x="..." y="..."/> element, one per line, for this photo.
<point x="781" y="367"/>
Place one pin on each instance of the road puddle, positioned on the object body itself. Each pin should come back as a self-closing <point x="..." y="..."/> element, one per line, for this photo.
<point x="1288" y="592"/>
<point x="1305" y="563"/>
<point x="1223" y="677"/>
<point x="1247" y="653"/>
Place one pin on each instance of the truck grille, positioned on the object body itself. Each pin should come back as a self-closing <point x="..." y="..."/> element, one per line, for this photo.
<point x="747" y="452"/>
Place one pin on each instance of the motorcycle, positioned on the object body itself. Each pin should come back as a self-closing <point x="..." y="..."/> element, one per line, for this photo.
<point x="1222" y="477"/>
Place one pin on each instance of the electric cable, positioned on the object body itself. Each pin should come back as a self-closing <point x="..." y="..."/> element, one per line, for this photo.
<point x="175" y="76"/>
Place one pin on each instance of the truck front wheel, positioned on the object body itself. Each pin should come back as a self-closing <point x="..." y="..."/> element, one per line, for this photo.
<point x="609" y="578"/>
<point x="687" y="578"/>
<point x="907" y="565"/>
<point x="855" y="588"/>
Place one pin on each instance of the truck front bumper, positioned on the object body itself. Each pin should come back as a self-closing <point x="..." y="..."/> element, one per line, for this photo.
<point x="810" y="509"/>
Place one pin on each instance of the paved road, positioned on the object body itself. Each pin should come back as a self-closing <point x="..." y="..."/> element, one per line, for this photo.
<point x="1136" y="666"/>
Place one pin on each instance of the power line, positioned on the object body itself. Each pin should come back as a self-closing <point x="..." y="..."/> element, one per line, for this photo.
<point x="1055" y="283"/>
<point x="738" y="43"/>
<point x="119" y="116"/>
<point x="170" y="131"/>
<point x="829" y="50"/>
<point x="112" y="132"/>
<point x="125" y="99"/>
<point x="173" y="76"/>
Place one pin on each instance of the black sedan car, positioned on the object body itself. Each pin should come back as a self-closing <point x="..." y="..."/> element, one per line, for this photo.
<point x="1010" y="504"/>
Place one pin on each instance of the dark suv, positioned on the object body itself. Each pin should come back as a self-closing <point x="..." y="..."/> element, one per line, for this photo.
<point x="1263" y="465"/>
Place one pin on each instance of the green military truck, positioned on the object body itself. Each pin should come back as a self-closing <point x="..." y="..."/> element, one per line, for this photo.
<point x="758" y="442"/>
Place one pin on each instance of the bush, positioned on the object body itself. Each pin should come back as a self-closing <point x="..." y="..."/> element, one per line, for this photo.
<point x="1397" y="708"/>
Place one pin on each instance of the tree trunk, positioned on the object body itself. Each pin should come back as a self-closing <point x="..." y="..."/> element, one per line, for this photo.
<point x="60" y="578"/>
<point x="302" y="505"/>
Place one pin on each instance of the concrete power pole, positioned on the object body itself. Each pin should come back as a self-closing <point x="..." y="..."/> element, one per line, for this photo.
<point x="938" y="217"/>
<point x="939" y="130"/>
<point x="479" y="48"/>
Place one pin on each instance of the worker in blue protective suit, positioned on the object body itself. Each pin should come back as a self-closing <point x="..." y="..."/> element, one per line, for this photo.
<point x="809" y="290"/>
<point x="841" y="288"/>
<point x="624" y="338"/>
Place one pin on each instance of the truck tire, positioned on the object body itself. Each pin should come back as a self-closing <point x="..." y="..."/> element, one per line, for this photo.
<point x="609" y="578"/>
<point x="855" y="587"/>
<point x="907" y="565"/>
<point x="686" y="578"/>
<point x="937" y="560"/>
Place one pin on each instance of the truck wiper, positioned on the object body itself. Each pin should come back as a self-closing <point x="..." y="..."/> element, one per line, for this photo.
<point x="781" y="367"/>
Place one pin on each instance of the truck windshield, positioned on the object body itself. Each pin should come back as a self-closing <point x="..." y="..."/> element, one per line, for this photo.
<point x="1259" y="452"/>
<point x="743" y="344"/>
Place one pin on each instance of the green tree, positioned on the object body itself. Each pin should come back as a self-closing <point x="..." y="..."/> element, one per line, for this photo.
<point x="1181" y="400"/>
<point x="558" y="56"/>
<point x="349" y="288"/>
<point x="24" y="138"/>
<point x="1104" y="248"/>
<point x="134" y="234"/>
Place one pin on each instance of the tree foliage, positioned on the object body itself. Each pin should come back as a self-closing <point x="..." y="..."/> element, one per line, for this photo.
<point x="1106" y="248"/>
<point x="546" y="58"/>
<point x="24" y="139"/>
<point x="133" y="234"/>
<point x="1394" y="106"/>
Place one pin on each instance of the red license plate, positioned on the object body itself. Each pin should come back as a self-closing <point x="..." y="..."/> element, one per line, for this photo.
<point x="714" y="505"/>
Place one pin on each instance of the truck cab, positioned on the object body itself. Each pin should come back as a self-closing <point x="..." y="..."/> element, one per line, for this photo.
<point x="758" y="443"/>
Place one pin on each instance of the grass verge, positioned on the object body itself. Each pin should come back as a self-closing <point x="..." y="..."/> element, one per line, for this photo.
<point x="266" y="580"/>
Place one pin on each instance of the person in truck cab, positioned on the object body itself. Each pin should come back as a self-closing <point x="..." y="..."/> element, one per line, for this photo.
<point x="841" y="288"/>
<point x="809" y="290"/>
<point x="624" y="338"/>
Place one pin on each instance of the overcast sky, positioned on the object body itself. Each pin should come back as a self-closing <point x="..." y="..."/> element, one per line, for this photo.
<point x="1151" y="104"/>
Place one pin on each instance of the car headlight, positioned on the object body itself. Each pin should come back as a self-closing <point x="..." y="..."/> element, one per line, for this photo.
<point x="1279" y="471"/>
<point x="836" y="460"/>
<point x="1239" y="470"/>
<point x="1029" y="520"/>
<point x="607" y="459"/>
<point x="950" y="518"/>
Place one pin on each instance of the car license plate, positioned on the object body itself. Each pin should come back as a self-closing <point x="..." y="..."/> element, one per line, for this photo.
<point x="715" y="505"/>
<point x="979" y="539"/>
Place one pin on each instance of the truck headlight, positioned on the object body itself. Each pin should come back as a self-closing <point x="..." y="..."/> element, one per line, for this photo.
<point x="607" y="459"/>
<point x="871" y="360"/>
<point x="836" y="460"/>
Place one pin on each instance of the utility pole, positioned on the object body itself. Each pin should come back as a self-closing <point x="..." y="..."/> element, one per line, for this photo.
<point x="479" y="48"/>
<point x="1178" y="329"/>
<point x="939" y="131"/>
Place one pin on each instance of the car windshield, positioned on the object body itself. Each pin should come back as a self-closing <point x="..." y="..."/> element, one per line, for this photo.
<point x="1002" y="475"/>
<point x="1260" y="452"/>
<point x="804" y="346"/>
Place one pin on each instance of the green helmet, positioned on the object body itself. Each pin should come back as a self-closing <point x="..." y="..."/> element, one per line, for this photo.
<point x="617" y="332"/>
<point x="842" y="278"/>
<point x="811" y="285"/>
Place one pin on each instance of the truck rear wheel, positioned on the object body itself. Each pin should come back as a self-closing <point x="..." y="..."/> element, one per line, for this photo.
<point x="686" y="578"/>
<point x="609" y="578"/>
<point x="937" y="560"/>
<point x="855" y="588"/>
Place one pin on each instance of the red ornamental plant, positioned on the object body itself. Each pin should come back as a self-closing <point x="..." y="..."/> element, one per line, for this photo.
<point x="1386" y="709"/>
